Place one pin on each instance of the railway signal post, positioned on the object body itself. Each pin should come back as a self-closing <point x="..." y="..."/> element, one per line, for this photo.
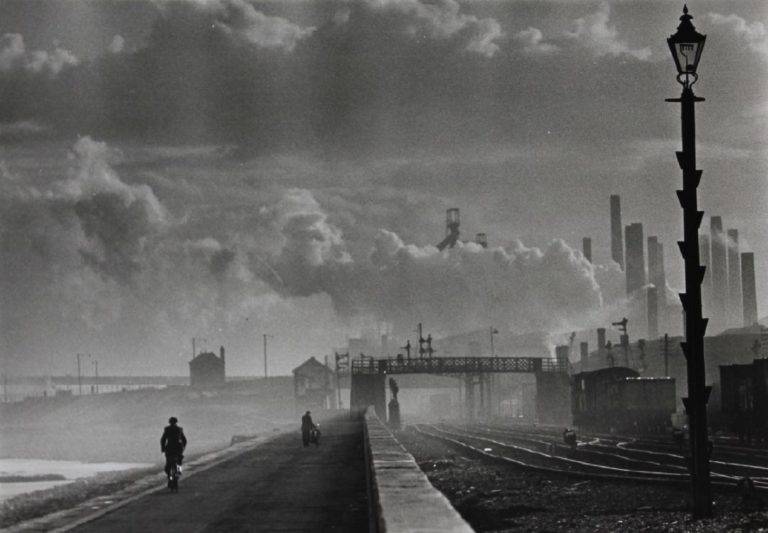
<point x="686" y="46"/>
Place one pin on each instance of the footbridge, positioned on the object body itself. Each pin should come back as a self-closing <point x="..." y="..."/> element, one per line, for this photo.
<point x="368" y="380"/>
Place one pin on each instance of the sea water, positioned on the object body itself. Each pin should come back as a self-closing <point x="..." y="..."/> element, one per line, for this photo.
<point x="70" y="470"/>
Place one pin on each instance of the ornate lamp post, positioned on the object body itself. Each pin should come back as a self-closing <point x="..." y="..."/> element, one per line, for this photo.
<point x="686" y="46"/>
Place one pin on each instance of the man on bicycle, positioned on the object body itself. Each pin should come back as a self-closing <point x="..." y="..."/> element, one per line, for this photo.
<point x="172" y="444"/>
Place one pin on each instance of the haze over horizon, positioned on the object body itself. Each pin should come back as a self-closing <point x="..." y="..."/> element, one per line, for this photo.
<point x="222" y="169"/>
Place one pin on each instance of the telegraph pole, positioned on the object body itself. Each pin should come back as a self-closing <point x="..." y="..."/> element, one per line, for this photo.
<point x="265" y="335"/>
<point x="79" y="375"/>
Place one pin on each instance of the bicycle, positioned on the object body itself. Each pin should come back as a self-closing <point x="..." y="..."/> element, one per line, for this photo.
<point x="174" y="474"/>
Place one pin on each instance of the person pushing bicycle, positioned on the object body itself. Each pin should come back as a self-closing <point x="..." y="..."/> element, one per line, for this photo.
<point x="172" y="444"/>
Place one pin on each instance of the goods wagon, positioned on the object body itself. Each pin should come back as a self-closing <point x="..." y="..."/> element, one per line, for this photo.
<point x="617" y="399"/>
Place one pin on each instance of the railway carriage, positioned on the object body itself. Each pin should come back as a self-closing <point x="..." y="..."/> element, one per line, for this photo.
<point x="744" y="400"/>
<point x="617" y="399"/>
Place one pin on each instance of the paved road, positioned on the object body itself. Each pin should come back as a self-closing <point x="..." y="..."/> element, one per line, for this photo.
<point x="279" y="486"/>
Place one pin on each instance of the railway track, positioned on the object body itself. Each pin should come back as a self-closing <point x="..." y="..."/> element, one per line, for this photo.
<point x="593" y="458"/>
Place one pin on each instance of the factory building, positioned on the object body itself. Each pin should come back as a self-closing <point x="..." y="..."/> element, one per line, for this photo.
<point x="635" y="258"/>
<point x="617" y="243"/>
<point x="719" y="276"/>
<point x="734" y="309"/>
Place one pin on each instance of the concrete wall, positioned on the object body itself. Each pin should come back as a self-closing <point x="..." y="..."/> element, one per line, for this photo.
<point x="401" y="497"/>
<point x="368" y="389"/>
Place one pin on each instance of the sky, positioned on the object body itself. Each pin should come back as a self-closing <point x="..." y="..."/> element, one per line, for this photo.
<point x="226" y="169"/>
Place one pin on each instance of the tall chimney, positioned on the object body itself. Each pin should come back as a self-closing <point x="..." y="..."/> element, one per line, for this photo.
<point x="719" y="275"/>
<point x="617" y="243"/>
<point x="600" y="339"/>
<point x="662" y="285"/>
<point x="706" y="285"/>
<point x="734" y="279"/>
<point x="653" y="313"/>
<point x="584" y="356"/>
<point x="635" y="263"/>
<point x="561" y="353"/>
<point x="749" y="295"/>
<point x="586" y="248"/>
<point x="221" y="352"/>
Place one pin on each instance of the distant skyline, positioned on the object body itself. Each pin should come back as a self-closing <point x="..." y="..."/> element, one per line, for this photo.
<point x="221" y="169"/>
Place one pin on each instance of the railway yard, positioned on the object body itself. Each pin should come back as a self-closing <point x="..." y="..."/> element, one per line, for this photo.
<point x="523" y="479"/>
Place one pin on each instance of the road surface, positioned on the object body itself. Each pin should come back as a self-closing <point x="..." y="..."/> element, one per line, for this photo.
<point x="278" y="486"/>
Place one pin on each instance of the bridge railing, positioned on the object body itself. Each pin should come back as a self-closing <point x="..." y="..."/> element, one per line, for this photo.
<point x="458" y="365"/>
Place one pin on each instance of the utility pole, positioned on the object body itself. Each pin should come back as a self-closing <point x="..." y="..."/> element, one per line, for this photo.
<point x="79" y="375"/>
<point x="96" y="368"/>
<point x="194" y="348"/>
<point x="422" y="340"/>
<point x="686" y="46"/>
<point x="265" y="352"/>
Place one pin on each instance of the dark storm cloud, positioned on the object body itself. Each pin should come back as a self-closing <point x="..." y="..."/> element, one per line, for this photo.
<point x="370" y="75"/>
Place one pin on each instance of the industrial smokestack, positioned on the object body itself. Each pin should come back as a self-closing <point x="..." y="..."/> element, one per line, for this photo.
<point x="653" y="259"/>
<point x="600" y="339"/>
<point x="221" y="353"/>
<point x="748" y="292"/>
<point x="734" y="279"/>
<point x="586" y="248"/>
<point x="617" y="243"/>
<point x="635" y="263"/>
<point x="719" y="274"/>
<point x="561" y="353"/>
<point x="706" y="284"/>
<point x="658" y="277"/>
<point x="653" y="313"/>
<point x="584" y="356"/>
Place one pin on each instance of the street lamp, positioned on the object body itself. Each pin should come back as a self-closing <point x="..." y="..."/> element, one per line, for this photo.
<point x="686" y="46"/>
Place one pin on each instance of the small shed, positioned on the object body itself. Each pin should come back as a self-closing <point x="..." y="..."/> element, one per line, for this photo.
<point x="207" y="370"/>
<point x="314" y="385"/>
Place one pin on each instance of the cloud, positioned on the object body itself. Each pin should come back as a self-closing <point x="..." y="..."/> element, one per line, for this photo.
<point x="533" y="41"/>
<point x="22" y="129"/>
<point x="117" y="45"/>
<point x="15" y="56"/>
<point x="442" y="20"/>
<point x="240" y="21"/>
<point x="524" y="288"/>
<point x="596" y="34"/>
<point x="754" y="34"/>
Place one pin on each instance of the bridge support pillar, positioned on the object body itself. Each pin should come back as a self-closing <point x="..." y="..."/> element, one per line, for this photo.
<point x="368" y="389"/>
<point x="553" y="398"/>
<point x="469" y="396"/>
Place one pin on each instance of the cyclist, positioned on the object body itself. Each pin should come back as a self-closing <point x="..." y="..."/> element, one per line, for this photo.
<point x="172" y="444"/>
<point x="307" y="425"/>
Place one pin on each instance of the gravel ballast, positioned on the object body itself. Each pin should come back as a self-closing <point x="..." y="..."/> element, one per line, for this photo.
<point x="498" y="497"/>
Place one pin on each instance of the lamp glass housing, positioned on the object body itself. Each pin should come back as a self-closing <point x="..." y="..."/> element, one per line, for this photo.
<point x="686" y="46"/>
